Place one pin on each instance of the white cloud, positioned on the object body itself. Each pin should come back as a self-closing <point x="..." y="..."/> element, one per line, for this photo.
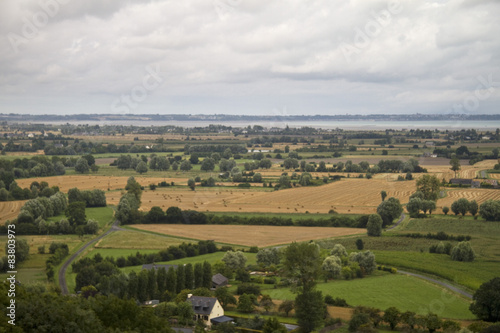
<point x="248" y="56"/>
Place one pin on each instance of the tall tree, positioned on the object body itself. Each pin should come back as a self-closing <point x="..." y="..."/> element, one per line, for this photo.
<point x="161" y="280"/>
<point x="198" y="275"/>
<point x="133" y="187"/>
<point x="455" y="165"/>
<point x="181" y="278"/>
<point x="189" y="274"/>
<point x="383" y="194"/>
<point x="429" y="186"/>
<point x="207" y="275"/>
<point x="171" y="281"/>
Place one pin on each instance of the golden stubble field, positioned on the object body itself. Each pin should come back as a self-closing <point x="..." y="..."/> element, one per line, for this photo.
<point x="91" y="182"/>
<point x="10" y="209"/>
<point x="249" y="235"/>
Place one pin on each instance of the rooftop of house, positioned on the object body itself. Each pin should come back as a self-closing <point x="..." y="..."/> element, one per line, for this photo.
<point x="202" y="305"/>
<point x="219" y="279"/>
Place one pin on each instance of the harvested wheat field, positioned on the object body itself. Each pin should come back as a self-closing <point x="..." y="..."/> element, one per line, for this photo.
<point x="90" y="182"/>
<point x="249" y="235"/>
<point x="478" y="194"/>
<point x="10" y="209"/>
<point x="357" y="196"/>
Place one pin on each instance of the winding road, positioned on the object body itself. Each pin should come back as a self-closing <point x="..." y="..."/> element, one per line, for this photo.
<point x="441" y="283"/>
<point x="64" y="267"/>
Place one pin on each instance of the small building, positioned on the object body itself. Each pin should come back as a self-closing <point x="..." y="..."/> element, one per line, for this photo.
<point x="475" y="184"/>
<point x="157" y="266"/>
<point x="461" y="181"/>
<point x="206" y="309"/>
<point x="219" y="280"/>
<point x="152" y="302"/>
<point x="490" y="182"/>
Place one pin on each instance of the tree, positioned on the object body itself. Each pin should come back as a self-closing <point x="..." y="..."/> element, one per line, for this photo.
<point x="310" y="309"/>
<point x="460" y="206"/>
<point x="134" y="188"/>
<point x="392" y="316"/>
<point x="429" y="186"/>
<point x="198" y="275"/>
<point x="432" y="322"/>
<point x="234" y="260"/>
<point x="82" y="166"/>
<point x="374" y="225"/>
<point x="267" y="303"/>
<point x="76" y="213"/>
<point x="473" y="207"/>
<point x="287" y="306"/>
<point x="186" y="165"/>
<point x="332" y="267"/>
<point x="22" y="251"/>
<point x="389" y="210"/>
<point x="446" y="210"/>
<point x="359" y="244"/>
<point x="302" y="264"/>
<point x="185" y="312"/>
<point x="191" y="184"/>
<point x="225" y="297"/>
<point x="142" y="167"/>
<point x="305" y="179"/>
<point x="366" y="261"/>
<point x="339" y="251"/>
<point x="245" y="304"/>
<point x="194" y="159"/>
<point x="268" y="256"/>
<point x="383" y="194"/>
<point x="490" y="210"/>
<point x="463" y="252"/>
<point x="208" y="164"/>
<point x="455" y="165"/>
<point x="486" y="301"/>
<point x="257" y="178"/>
<point x="284" y="182"/>
<point x="359" y="320"/>
<point x="207" y="275"/>
<point x="272" y="325"/>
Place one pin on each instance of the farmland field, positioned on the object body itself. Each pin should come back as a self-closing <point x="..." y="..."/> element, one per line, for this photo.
<point x="125" y="239"/>
<point x="250" y="235"/>
<point x="10" y="209"/>
<point x="407" y="293"/>
<point x="91" y="182"/>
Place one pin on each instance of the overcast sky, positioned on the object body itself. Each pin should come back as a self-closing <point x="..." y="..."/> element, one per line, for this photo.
<point x="249" y="56"/>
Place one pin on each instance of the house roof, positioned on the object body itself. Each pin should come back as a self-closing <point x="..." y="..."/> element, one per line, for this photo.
<point x="202" y="305"/>
<point x="461" y="181"/>
<point x="219" y="279"/>
<point x="221" y="319"/>
<point x="157" y="266"/>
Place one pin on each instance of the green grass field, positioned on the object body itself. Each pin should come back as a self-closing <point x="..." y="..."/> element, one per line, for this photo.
<point x="468" y="274"/>
<point x="384" y="290"/>
<point x="103" y="215"/>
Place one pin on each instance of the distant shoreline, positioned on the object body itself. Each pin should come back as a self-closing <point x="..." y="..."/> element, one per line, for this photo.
<point x="348" y="122"/>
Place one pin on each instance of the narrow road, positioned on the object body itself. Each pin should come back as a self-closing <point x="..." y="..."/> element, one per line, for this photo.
<point x="398" y="222"/>
<point x="441" y="283"/>
<point x="64" y="267"/>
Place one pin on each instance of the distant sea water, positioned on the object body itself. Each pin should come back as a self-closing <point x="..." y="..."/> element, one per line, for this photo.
<point x="348" y="125"/>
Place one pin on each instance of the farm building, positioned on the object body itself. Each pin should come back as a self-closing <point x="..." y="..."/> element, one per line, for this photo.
<point x="219" y="280"/>
<point x="207" y="309"/>
<point x="156" y="266"/>
<point x="461" y="181"/>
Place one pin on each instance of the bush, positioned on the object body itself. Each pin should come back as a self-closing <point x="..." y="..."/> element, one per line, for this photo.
<point x="248" y="288"/>
<point x="336" y="301"/>
<point x="463" y="252"/>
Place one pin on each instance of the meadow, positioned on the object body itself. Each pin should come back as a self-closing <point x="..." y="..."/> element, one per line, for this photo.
<point x="384" y="290"/>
